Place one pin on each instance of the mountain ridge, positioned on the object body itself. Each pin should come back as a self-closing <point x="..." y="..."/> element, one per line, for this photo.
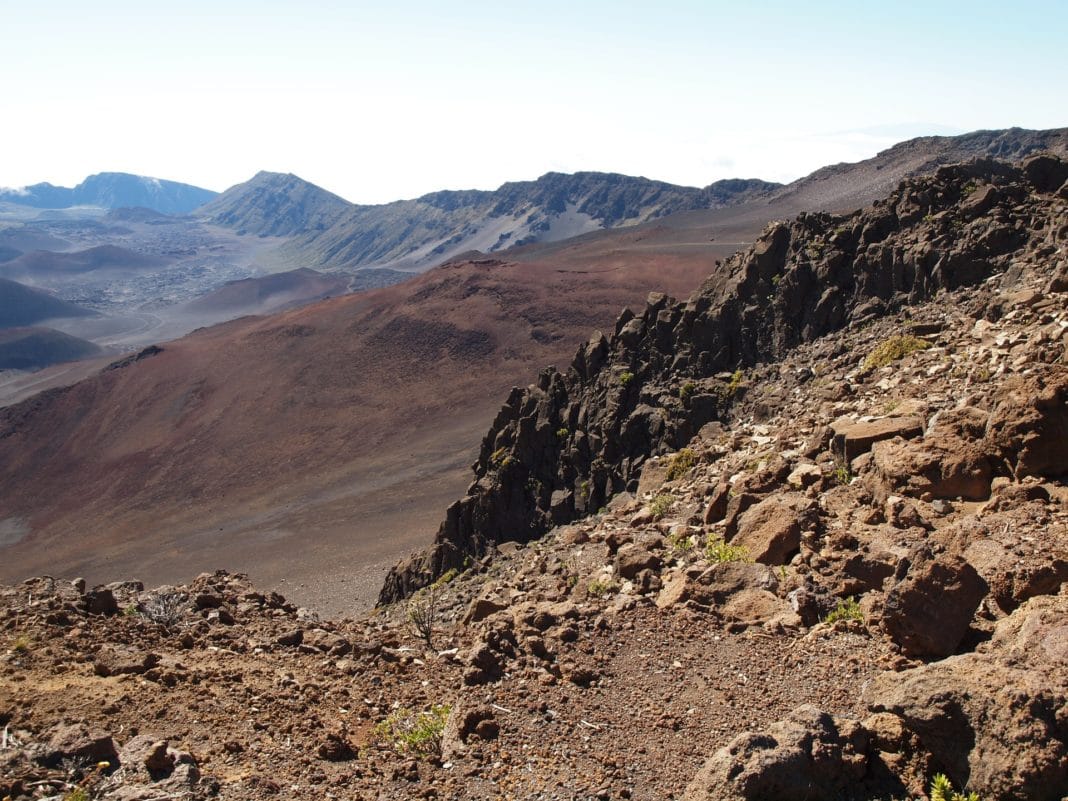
<point x="332" y="234"/>
<point x="112" y="190"/>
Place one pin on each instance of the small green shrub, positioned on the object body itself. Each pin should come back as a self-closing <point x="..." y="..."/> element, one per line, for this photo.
<point x="21" y="645"/>
<point x="680" y="541"/>
<point x="562" y="433"/>
<point x="842" y="474"/>
<point x="681" y="463"/>
<point x="847" y="609"/>
<point x="423" y="612"/>
<point x="736" y="382"/>
<point x="660" y="505"/>
<point x="584" y="490"/>
<point x="500" y="458"/>
<point x="77" y="794"/>
<point x="719" y="550"/>
<point x="418" y="733"/>
<point x="942" y="790"/>
<point x="686" y="391"/>
<point x="601" y="587"/>
<point x="626" y="377"/>
<point x="447" y="576"/>
<point x="894" y="349"/>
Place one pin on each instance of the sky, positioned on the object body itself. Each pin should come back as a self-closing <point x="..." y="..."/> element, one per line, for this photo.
<point x="387" y="100"/>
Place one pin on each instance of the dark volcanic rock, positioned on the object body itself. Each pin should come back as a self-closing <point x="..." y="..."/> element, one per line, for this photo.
<point x="929" y="610"/>
<point x="799" y="281"/>
<point x="809" y="755"/>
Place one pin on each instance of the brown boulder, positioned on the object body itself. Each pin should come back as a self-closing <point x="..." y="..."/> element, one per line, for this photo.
<point x="950" y="462"/>
<point x="483" y="607"/>
<point x="117" y="660"/>
<point x="1046" y="172"/>
<point x="76" y="742"/>
<point x="809" y="755"/>
<point x="632" y="559"/>
<point x="717" y="504"/>
<point x="771" y="530"/>
<point x="852" y="438"/>
<point x="1028" y="429"/>
<point x="753" y="607"/>
<point x="929" y="610"/>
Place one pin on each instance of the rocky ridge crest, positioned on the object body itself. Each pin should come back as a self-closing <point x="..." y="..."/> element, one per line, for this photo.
<point x="563" y="447"/>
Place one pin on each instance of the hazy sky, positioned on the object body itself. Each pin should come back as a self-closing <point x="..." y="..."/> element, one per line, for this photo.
<point x="385" y="100"/>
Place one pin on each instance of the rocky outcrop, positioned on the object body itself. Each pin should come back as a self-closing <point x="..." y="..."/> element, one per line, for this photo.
<point x="808" y="755"/>
<point x="995" y="720"/>
<point x="563" y="447"/>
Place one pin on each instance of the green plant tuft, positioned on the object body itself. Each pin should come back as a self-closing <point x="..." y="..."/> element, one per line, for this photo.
<point x="681" y="463"/>
<point x="21" y="645"/>
<point x="942" y="790"/>
<point x="719" y="550"/>
<point x="601" y="587"/>
<point x="737" y="377"/>
<point x="686" y="391"/>
<point x="660" y="505"/>
<point x="894" y="349"/>
<point x="847" y="609"/>
<point x="680" y="541"/>
<point x="842" y="474"/>
<point x="626" y="377"/>
<point x="562" y="433"/>
<point x="447" y="576"/>
<point x="418" y="733"/>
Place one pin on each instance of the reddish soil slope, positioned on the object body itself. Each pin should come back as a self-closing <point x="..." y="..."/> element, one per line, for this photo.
<point x="316" y="445"/>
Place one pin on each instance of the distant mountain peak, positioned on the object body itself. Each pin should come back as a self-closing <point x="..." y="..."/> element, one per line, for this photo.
<point x="112" y="190"/>
<point x="275" y="204"/>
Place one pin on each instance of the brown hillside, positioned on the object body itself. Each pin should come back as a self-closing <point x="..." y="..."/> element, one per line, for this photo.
<point x="347" y="425"/>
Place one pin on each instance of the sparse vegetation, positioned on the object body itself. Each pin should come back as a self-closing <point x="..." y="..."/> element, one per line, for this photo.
<point x="447" y="576"/>
<point x="660" y="505"/>
<point x="601" y="587"/>
<point x="680" y="541"/>
<point x="686" y="391"/>
<point x="21" y="645"/>
<point x="417" y="733"/>
<point x="562" y="433"/>
<point x="626" y="377"/>
<point x="842" y="472"/>
<point x="500" y="458"/>
<point x="165" y="607"/>
<point x="894" y="349"/>
<point x="681" y="463"/>
<point x="719" y="550"/>
<point x="737" y="377"/>
<point x="847" y="609"/>
<point x="423" y="612"/>
<point x="942" y="790"/>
